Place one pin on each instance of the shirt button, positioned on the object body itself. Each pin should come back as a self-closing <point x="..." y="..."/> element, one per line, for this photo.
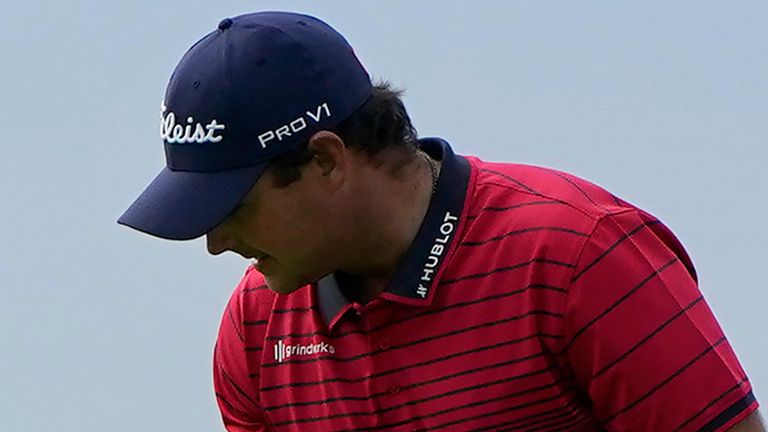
<point x="384" y="345"/>
<point x="395" y="389"/>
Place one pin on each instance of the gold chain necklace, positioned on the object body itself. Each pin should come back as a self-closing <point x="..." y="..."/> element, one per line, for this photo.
<point x="433" y="168"/>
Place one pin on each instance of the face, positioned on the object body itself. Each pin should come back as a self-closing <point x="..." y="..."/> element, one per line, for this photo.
<point x="286" y="229"/>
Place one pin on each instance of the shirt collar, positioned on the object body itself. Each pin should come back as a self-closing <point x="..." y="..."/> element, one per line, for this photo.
<point x="415" y="280"/>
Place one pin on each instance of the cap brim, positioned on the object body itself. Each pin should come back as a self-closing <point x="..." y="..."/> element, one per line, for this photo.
<point x="180" y="205"/>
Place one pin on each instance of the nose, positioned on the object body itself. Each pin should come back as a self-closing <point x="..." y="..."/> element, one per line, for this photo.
<point x="217" y="241"/>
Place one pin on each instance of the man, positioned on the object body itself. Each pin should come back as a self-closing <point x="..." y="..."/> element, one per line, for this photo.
<point x="398" y="286"/>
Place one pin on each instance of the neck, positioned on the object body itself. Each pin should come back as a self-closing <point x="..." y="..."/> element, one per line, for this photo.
<point x="385" y="228"/>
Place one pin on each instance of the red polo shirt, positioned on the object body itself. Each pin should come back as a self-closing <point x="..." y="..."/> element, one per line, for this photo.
<point x="530" y="300"/>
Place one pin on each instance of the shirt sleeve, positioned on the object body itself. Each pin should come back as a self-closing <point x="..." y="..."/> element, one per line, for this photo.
<point x="236" y="395"/>
<point x="642" y="342"/>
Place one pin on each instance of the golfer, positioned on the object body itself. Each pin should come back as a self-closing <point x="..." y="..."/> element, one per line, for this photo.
<point x="398" y="286"/>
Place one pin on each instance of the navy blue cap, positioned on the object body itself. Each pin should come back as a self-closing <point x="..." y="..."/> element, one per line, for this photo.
<point x="256" y="87"/>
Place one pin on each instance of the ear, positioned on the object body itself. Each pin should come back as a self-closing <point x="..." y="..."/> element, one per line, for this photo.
<point x="331" y="158"/>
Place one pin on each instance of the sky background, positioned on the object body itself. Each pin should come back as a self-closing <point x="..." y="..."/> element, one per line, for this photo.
<point x="102" y="328"/>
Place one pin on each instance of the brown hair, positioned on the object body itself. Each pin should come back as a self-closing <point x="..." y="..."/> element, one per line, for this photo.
<point x="382" y="123"/>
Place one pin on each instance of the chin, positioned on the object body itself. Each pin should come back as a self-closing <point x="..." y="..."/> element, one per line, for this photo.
<point x="283" y="287"/>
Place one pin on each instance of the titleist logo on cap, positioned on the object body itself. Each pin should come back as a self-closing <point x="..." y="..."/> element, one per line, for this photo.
<point x="195" y="132"/>
<point x="192" y="132"/>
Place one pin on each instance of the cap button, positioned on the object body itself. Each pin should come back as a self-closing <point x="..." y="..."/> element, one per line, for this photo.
<point x="225" y="24"/>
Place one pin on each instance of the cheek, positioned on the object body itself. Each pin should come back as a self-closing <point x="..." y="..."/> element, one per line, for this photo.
<point x="278" y="230"/>
<point x="295" y="225"/>
<point x="307" y="236"/>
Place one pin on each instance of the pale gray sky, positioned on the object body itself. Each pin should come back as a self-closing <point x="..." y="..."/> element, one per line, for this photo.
<point x="102" y="328"/>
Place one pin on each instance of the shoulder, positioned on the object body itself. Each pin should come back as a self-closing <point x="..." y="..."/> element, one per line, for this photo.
<point x="549" y="204"/>
<point x="531" y="183"/>
<point x="532" y="211"/>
